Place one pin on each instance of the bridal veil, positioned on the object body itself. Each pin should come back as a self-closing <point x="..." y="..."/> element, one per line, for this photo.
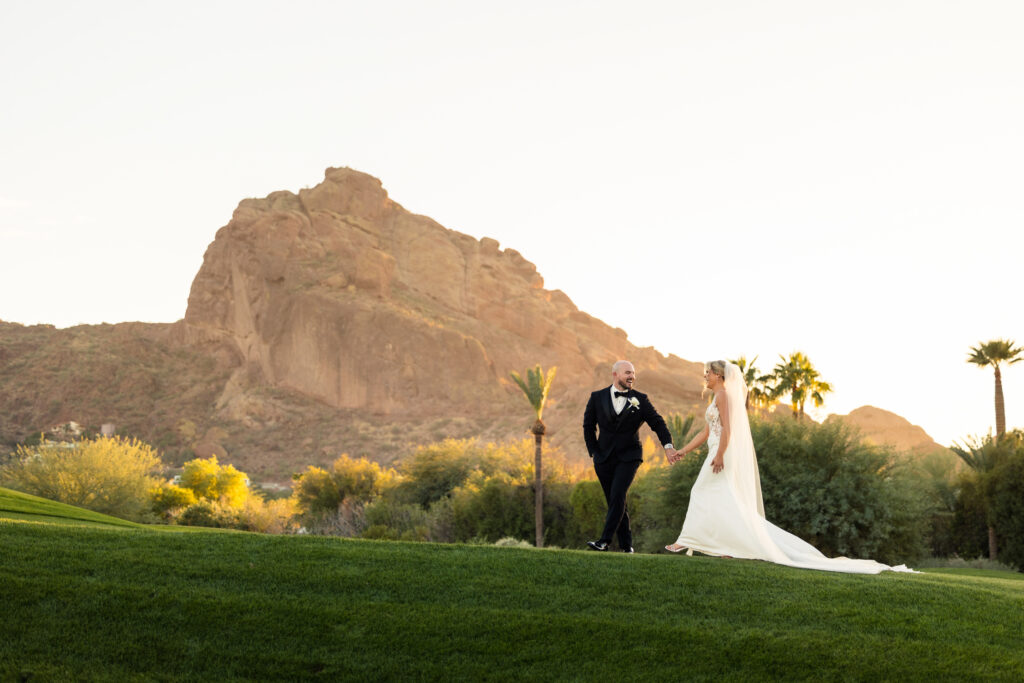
<point x="726" y="512"/>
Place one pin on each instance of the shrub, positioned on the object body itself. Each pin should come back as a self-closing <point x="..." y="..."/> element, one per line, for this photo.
<point x="559" y="528"/>
<point x="212" y="481"/>
<point x="362" y="479"/>
<point x="1005" y="486"/>
<point x="493" y="507"/>
<point x="396" y="521"/>
<point x="316" y="494"/>
<point x="210" y="514"/>
<point x="441" y="521"/>
<point x="845" y="497"/>
<point x="510" y="542"/>
<point x="992" y="496"/>
<point x="106" y="474"/>
<point x="348" y="520"/>
<point x="489" y="507"/>
<point x="267" y="517"/>
<point x="167" y="498"/>
<point x="434" y="471"/>
<point x="970" y="518"/>
<point x="588" y="511"/>
<point x="938" y="475"/>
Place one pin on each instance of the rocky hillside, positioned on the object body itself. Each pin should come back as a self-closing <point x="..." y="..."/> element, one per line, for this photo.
<point x="331" y="321"/>
<point x="889" y="429"/>
<point x="340" y="294"/>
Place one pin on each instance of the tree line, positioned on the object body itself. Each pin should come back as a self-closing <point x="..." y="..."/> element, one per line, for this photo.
<point x="988" y="490"/>
<point x="845" y="496"/>
<point x="824" y="482"/>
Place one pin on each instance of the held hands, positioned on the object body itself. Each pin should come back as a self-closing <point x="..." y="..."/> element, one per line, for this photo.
<point x="673" y="456"/>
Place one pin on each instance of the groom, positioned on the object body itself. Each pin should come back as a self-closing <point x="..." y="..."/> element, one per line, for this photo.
<point x="610" y="429"/>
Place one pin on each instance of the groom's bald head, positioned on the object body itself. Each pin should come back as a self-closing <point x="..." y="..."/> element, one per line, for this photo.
<point x="623" y="374"/>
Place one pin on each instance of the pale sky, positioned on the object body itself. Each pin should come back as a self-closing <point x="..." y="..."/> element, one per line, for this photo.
<point x="843" y="178"/>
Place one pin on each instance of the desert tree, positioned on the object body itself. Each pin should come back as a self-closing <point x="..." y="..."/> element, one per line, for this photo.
<point x="992" y="354"/>
<point x="759" y="386"/>
<point x="681" y="428"/>
<point x="982" y="456"/>
<point x="537" y="386"/>
<point x="796" y="376"/>
<point x="112" y="475"/>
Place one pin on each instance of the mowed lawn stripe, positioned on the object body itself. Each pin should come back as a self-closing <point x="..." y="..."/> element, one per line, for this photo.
<point x="27" y="506"/>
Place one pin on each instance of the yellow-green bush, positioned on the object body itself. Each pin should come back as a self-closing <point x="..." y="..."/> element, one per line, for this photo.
<point x="315" y="492"/>
<point x="111" y="475"/>
<point x="166" y="498"/>
<point x="267" y="516"/>
<point x="318" y="492"/>
<point x="209" y="480"/>
<point x="434" y="471"/>
<point x="362" y="479"/>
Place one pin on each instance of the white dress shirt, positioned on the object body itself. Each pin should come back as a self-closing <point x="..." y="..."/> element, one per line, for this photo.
<point x="618" y="402"/>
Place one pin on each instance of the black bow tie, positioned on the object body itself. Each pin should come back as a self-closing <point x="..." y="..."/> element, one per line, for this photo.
<point x="621" y="393"/>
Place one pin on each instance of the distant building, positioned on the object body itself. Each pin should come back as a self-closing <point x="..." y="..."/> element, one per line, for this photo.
<point x="68" y="430"/>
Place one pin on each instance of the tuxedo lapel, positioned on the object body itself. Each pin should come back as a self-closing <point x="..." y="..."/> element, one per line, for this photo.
<point x="607" y="408"/>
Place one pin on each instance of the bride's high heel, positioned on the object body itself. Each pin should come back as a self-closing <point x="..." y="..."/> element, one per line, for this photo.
<point x="678" y="549"/>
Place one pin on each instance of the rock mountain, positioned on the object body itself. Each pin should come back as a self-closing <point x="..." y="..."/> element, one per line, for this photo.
<point x="884" y="428"/>
<point x="330" y="321"/>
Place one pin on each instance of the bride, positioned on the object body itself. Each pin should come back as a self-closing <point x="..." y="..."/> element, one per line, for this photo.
<point x="726" y="512"/>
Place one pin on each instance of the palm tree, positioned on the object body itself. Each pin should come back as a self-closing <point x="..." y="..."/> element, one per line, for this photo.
<point x="536" y="387"/>
<point x="680" y="428"/>
<point x="982" y="455"/>
<point x="993" y="353"/>
<point x="759" y="390"/>
<point x="797" y="377"/>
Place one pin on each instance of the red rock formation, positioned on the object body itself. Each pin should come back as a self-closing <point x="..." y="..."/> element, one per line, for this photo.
<point x="336" y="321"/>
<point x="884" y="428"/>
<point x="341" y="294"/>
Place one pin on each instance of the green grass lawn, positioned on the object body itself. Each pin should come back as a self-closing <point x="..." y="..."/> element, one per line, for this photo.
<point x="121" y="603"/>
<point x="14" y="504"/>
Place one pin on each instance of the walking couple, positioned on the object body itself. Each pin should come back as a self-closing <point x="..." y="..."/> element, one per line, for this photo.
<point x="725" y="517"/>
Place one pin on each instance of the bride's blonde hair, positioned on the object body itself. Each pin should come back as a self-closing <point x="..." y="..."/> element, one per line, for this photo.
<point x="717" y="367"/>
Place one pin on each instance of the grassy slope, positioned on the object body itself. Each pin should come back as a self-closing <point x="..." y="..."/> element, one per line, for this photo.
<point x="17" y="505"/>
<point x="112" y="603"/>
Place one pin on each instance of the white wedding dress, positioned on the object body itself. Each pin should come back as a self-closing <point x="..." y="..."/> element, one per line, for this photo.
<point x="726" y="512"/>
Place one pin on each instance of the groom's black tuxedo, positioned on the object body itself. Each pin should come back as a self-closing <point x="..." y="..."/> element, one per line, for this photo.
<point x="613" y="441"/>
<point x="608" y="434"/>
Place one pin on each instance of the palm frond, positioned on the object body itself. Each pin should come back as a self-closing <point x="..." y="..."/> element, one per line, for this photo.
<point x="797" y="377"/>
<point x="680" y="428"/>
<point x="995" y="352"/>
<point x="976" y="453"/>
<point x="536" y="386"/>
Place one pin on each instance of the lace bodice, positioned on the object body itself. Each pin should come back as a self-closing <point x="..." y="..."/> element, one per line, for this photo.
<point x="714" y="422"/>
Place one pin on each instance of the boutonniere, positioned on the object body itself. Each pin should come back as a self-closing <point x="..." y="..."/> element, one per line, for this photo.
<point x="634" y="401"/>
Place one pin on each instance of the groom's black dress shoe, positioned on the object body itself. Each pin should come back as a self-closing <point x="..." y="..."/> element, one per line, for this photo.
<point x="628" y="551"/>
<point x="597" y="545"/>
